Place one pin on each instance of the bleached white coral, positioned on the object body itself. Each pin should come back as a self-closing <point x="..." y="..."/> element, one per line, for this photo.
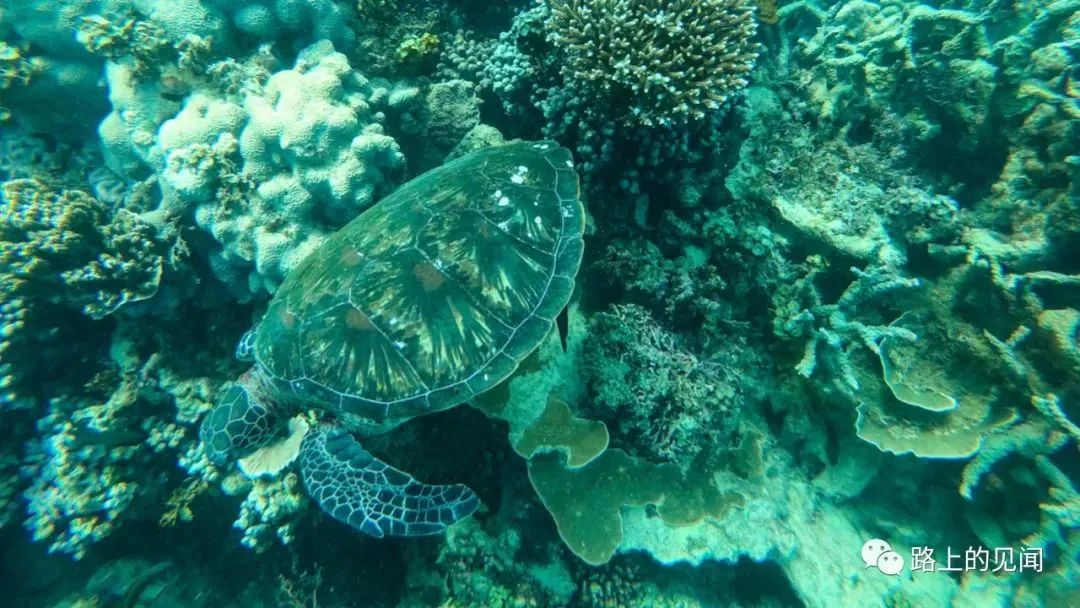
<point x="268" y="169"/>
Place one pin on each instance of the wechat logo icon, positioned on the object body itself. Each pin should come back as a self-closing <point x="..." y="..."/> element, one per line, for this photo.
<point x="877" y="553"/>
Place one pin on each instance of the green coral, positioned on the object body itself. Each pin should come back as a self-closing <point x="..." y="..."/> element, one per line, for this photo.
<point x="943" y="396"/>
<point x="656" y="62"/>
<point x="558" y="428"/>
<point x="418" y="54"/>
<point x="141" y="39"/>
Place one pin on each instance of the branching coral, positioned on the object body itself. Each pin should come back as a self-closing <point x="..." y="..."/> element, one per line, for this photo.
<point x="97" y="260"/>
<point x="269" y="510"/>
<point x="655" y="393"/>
<point x="656" y="62"/>
<point x="79" y="489"/>
<point x="479" y="567"/>
<point x="141" y="39"/>
<point x="832" y="329"/>
<point x="15" y="69"/>
<point x="84" y="468"/>
<point x="63" y="252"/>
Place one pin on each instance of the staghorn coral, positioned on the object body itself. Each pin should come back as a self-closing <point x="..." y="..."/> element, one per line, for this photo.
<point x="656" y="62"/>
<point x="832" y="329"/>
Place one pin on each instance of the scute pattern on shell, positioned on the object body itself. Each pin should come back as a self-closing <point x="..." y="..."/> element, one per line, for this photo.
<point x="436" y="293"/>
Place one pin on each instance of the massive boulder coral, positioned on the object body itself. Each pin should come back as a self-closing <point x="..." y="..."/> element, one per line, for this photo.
<point x="656" y="63"/>
<point x="432" y="120"/>
<point x="268" y="165"/>
<point x="300" y="21"/>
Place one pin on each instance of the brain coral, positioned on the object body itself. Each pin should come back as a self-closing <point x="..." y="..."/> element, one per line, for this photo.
<point x="656" y="62"/>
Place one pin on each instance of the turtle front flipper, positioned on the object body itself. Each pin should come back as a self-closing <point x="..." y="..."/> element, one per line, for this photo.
<point x="358" y="489"/>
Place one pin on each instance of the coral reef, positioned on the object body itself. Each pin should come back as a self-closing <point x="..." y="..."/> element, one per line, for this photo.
<point x="267" y="509"/>
<point x="63" y="252"/>
<point x="830" y="293"/>
<point x="662" y="399"/>
<point x="479" y="567"/>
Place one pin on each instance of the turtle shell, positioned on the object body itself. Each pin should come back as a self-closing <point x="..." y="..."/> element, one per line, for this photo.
<point x="436" y="293"/>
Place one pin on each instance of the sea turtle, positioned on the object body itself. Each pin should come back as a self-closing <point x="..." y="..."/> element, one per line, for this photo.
<point x="424" y="301"/>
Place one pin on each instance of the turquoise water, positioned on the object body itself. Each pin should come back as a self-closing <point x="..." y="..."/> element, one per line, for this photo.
<point x="586" y="303"/>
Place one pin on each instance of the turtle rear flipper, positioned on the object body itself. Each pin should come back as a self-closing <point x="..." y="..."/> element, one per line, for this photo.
<point x="358" y="489"/>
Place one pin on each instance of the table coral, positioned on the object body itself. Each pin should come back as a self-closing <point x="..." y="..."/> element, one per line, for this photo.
<point x="586" y="501"/>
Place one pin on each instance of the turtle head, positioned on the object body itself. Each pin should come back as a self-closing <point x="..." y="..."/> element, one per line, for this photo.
<point x="240" y="424"/>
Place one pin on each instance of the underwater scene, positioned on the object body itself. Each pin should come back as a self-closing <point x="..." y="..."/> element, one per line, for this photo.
<point x="528" y="304"/>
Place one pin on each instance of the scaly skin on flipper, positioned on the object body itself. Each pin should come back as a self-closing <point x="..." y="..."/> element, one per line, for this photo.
<point x="358" y="489"/>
